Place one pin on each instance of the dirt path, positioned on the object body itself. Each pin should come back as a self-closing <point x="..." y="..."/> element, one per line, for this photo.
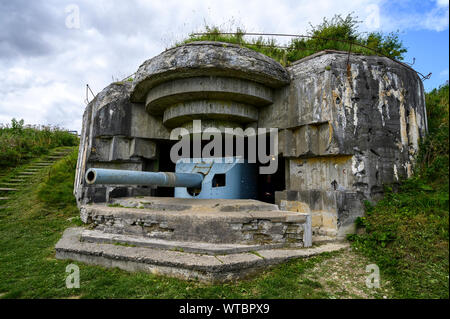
<point x="344" y="276"/>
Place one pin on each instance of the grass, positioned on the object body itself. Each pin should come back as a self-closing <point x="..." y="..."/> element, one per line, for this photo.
<point x="407" y="232"/>
<point x="19" y="143"/>
<point x="337" y="33"/>
<point x="37" y="216"/>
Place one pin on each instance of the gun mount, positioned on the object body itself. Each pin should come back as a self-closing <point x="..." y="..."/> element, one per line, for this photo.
<point x="227" y="177"/>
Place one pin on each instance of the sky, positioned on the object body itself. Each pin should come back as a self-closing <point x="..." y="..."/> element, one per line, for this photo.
<point x="50" y="50"/>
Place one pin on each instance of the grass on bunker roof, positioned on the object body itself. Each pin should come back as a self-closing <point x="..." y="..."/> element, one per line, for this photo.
<point x="336" y="33"/>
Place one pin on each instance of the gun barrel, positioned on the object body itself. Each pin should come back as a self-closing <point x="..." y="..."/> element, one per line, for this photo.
<point x="125" y="177"/>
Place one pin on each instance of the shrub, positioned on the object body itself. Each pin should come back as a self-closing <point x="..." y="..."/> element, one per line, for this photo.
<point x="332" y="34"/>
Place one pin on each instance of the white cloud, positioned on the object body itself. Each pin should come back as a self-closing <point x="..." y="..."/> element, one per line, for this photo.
<point x="442" y="3"/>
<point x="410" y="17"/>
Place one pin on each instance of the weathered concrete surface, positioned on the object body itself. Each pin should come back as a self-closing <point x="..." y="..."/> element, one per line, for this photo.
<point x="207" y="59"/>
<point x="238" y="81"/>
<point x="182" y="265"/>
<point x="180" y="113"/>
<point x="207" y="88"/>
<point x="185" y="204"/>
<point x="95" y="236"/>
<point x="198" y="220"/>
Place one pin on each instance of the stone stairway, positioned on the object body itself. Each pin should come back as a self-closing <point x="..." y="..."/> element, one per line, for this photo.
<point x="14" y="182"/>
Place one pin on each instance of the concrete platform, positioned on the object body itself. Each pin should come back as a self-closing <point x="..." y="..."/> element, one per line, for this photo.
<point x="182" y="265"/>
<point x="213" y="221"/>
<point x="95" y="236"/>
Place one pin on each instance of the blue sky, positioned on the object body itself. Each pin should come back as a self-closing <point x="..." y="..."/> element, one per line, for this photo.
<point x="45" y="62"/>
<point x="430" y="48"/>
<point x="425" y="35"/>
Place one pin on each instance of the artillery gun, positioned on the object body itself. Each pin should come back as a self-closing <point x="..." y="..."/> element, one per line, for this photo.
<point x="227" y="178"/>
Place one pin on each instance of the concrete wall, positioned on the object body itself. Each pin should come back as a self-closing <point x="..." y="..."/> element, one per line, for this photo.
<point x="347" y="124"/>
<point x="351" y="128"/>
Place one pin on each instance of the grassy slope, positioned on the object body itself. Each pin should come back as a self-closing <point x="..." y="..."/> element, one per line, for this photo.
<point x="37" y="216"/>
<point x="19" y="144"/>
<point x="406" y="233"/>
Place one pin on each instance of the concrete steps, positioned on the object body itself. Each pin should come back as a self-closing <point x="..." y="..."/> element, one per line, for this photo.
<point x="94" y="236"/>
<point x="184" y="265"/>
<point x="320" y="239"/>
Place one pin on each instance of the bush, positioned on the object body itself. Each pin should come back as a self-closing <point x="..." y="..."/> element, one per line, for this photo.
<point x="433" y="158"/>
<point x="334" y="34"/>
<point x="20" y="143"/>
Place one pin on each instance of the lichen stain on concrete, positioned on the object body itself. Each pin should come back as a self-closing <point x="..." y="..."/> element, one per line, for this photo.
<point x="343" y="98"/>
<point x="403" y="134"/>
<point x="357" y="166"/>
<point x="413" y="132"/>
<point x="395" y="172"/>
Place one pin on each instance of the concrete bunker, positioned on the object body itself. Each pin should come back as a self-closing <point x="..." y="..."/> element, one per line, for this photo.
<point x="346" y="125"/>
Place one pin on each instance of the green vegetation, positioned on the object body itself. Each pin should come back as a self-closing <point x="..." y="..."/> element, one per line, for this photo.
<point x="57" y="188"/>
<point x="19" y="143"/>
<point x="407" y="233"/>
<point x="37" y="216"/>
<point x="335" y="34"/>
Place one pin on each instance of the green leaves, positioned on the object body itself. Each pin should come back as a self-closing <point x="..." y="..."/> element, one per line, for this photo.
<point x="336" y="33"/>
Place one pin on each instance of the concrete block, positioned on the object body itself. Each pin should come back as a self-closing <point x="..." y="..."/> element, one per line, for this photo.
<point x="142" y="148"/>
<point x="183" y="265"/>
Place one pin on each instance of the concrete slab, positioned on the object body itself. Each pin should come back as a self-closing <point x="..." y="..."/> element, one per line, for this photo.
<point x="213" y="221"/>
<point x="94" y="236"/>
<point x="180" y="204"/>
<point x="182" y="265"/>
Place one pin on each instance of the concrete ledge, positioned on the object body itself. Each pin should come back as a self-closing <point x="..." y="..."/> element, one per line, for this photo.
<point x="232" y="228"/>
<point x="94" y="236"/>
<point x="178" y="114"/>
<point x="186" y="204"/>
<point x="226" y="223"/>
<point x="204" y="58"/>
<point x="178" y="264"/>
<point x="207" y="88"/>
